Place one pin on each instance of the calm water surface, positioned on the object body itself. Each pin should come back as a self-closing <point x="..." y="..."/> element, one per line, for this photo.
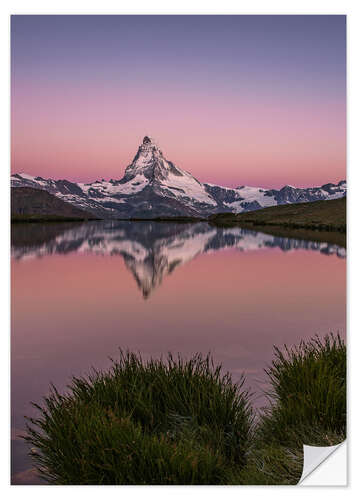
<point x="81" y="291"/>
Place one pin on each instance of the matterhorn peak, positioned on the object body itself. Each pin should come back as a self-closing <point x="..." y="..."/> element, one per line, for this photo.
<point x="153" y="186"/>
<point x="149" y="144"/>
<point x="148" y="162"/>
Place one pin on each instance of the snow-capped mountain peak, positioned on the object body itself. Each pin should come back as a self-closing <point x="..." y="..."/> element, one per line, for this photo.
<point x="150" y="167"/>
<point x="153" y="186"/>
<point x="150" y="162"/>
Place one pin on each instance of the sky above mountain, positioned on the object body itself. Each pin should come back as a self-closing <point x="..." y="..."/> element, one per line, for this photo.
<point x="254" y="100"/>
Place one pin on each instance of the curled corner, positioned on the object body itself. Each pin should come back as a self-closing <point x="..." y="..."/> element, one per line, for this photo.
<point x="314" y="456"/>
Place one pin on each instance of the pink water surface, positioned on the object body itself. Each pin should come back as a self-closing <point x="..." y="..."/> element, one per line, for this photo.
<point x="72" y="312"/>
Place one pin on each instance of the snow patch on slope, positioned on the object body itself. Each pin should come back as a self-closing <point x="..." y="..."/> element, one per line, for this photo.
<point x="187" y="186"/>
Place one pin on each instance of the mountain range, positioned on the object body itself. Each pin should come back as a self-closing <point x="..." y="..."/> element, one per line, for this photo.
<point x="154" y="187"/>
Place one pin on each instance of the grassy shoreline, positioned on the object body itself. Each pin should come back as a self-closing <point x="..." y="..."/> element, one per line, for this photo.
<point x="317" y="215"/>
<point x="321" y="221"/>
<point x="178" y="421"/>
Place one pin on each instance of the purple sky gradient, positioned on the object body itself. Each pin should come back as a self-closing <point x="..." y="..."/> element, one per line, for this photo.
<point x="257" y="100"/>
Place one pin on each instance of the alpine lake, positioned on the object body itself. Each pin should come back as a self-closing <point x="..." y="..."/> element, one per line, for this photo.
<point x="82" y="291"/>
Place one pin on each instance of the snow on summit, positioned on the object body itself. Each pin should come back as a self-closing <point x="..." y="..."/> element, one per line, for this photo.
<point x="153" y="186"/>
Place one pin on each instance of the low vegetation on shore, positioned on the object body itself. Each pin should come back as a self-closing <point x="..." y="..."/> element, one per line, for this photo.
<point x="178" y="421"/>
<point x="307" y="406"/>
<point x="325" y="215"/>
<point x="321" y="221"/>
<point x="155" y="422"/>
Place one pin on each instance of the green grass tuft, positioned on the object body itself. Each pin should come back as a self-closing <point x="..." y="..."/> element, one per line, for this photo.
<point x="307" y="406"/>
<point x="308" y="391"/>
<point x="184" y="422"/>
<point x="173" y="422"/>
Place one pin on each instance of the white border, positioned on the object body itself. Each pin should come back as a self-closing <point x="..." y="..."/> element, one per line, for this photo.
<point x="161" y="7"/>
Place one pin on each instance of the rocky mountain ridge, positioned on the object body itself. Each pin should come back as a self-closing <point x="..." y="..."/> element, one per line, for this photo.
<point x="37" y="204"/>
<point x="154" y="187"/>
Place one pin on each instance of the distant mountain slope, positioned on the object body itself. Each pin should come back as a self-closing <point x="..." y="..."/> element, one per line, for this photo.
<point x="154" y="187"/>
<point x="35" y="204"/>
<point x="327" y="215"/>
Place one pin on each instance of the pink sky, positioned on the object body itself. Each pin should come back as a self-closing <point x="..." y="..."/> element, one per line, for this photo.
<point x="262" y="104"/>
<point x="268" y="143"/>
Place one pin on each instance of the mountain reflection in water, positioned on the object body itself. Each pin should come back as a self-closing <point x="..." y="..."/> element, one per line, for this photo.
<point x="151" y="250"/>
